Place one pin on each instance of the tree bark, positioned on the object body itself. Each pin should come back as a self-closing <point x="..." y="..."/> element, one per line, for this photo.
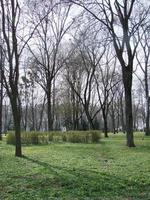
<point x="147" y="129"/>
<point x="17" y="123"/>
<point x="113" y="120"/>
<point x="91" y="124"/>
<point x="127" y="80"/>
<point x="1" y="106"/>
<point x="1" y="91"/>
<point x="49" y="109"/>
<point x="105" y="124"/>
<point x="41" y="115"/>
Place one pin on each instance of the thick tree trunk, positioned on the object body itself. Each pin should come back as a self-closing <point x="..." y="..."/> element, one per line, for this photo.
<point x="91" y="124"/>
<point x="17" y="123"/>
<point x="18" y="151"/>
<point x="127" y="80"/>
<point x="105" y="125"/>
<point x="105" y="129"/>
<point x="49" y="115"/>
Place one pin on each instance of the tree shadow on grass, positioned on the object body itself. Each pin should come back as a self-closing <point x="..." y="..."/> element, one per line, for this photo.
<point x="82" y="183"/>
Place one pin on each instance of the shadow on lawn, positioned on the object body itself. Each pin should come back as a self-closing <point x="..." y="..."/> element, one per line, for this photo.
<point x="89" y="183"/>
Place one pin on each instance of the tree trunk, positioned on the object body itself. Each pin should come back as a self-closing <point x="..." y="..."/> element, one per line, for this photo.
<point x="91" y="125"/>
<point x="1" y="91"/>
<point x="105" y="129"/>
<point x="53" y="108"/>
<point x="26" y="117"/>
<point x="73" y="110"/>
<point x="122" y="113"/>
<point x="17" y="123"/>
<point x="147" y="130"/>
<point x="1" y="108"/>
<point x="41" y="115"/>
<point x="127" y="80"/>
<point x="33" y="108"/>
<point x="49" y="110"/>
<point x="113" y="119"/>
<point x="77" y="114"/>
<point x="105" y="125"/>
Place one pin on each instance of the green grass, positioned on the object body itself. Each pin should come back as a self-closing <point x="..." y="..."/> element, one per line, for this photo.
<point x="108" y="171"/>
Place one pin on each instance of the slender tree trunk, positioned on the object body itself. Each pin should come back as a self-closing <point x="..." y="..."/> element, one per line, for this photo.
<point x="1" y="107"/>
<point x="147" y="130"/>
<point x="77" y="114"/>
<point x="26" y="117"/>
<point x="41" y="115"/>
<point x="1" y="110"/>
<point x="122" y="113"/>
<point x="113" y="119"/>
<point x="127" y="80"/>
<point x="113" y="123"/>
<point x="33" y="108"/>
<point x="49" y="109"/>
<point x="5" y="118"/>
<point x="53" y="108"/>
<point x="1" y="91"/>
<point x="73" y="110"/>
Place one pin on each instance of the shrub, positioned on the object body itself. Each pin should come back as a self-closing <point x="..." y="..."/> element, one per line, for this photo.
<point x="50" y="137"/>
<point x="81" y="136"/>
<point x="10" y="138"/>
<point x="95" y="136"/>
<point x="46" y="137"/>
<point x="64" y="138"/>
<point x="77" y="137"/>
<point x="34" y="138"/>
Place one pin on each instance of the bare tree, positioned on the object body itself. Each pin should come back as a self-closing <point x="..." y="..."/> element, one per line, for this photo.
<point x="119" y="18"/>
<point x="10" y="19"/>
<point x="47" y="56"/>
<point x="14" y="45"/>
<point x="143" y="58"/>
<point x="82" y="67"/>
<point x="106" y="80"/>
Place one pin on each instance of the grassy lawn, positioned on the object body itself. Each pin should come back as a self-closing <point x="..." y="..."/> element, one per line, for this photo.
<point x="105" y="171"/>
